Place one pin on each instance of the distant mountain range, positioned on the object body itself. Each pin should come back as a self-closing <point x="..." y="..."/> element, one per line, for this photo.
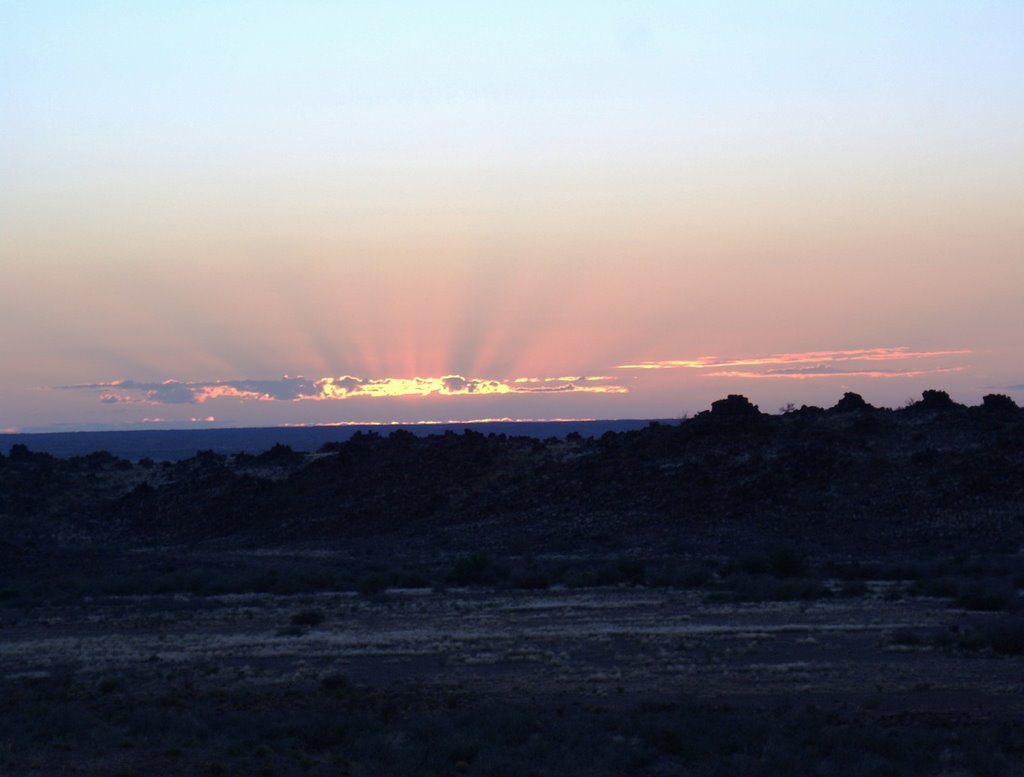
<point x="179" y="444"/>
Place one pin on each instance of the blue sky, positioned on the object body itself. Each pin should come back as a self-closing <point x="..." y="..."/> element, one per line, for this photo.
<point x="210" y="192"/>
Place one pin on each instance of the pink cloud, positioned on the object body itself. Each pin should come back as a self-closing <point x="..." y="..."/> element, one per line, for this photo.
<point x="805" y="374"/>
<point x="820" y="358"/>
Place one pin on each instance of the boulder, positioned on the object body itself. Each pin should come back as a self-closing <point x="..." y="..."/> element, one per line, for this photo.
<point x="851" y="403"/>
<point x="734" y="406"/>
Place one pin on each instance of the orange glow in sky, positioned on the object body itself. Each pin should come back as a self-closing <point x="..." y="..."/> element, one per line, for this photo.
<point x="432" y="208"/>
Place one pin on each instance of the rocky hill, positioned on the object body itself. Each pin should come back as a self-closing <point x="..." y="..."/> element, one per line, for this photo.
<point x="933" y="474"/>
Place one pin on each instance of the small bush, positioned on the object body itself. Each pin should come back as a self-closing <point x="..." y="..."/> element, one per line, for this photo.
<point x="373" y="585"/>
<point x="741" y="587"/>
<point x="941" y="587"/>
<point x="1005" y="636"/>
<point x="908" y="639"/>
<point x="683" y="575"/>
<point x="593" y="576"/>
<point x="987" y="598"/>
<point x="307" y="618"/>
<point x="786" y="562"/>
<point x="477" y="569"/>
<point x="632" y="570"/>
<point x="530" y="580"/>
<point x="753" y="565"/>
<point x="412" y="580"/>
<point x="853" y="588"/>
<point x="336" y="684"/>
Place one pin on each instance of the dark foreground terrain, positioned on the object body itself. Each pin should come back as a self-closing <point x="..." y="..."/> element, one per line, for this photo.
<point x="833" y="592"/>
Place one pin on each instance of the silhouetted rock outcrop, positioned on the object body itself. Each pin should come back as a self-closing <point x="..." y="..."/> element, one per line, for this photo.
<point x="279" y="455"/>
<point x="924" y="473"/>
<point x="998" y="403"/>
<point x="935" y="401"/>
<point x="734" y="406"/>
<point x="851" y="403"/>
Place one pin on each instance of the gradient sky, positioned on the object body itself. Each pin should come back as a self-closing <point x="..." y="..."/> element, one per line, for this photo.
<point x="259" y="213"/>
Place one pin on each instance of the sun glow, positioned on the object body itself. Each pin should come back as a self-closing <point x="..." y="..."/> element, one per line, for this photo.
<point x="298" y="388"/>
<point x="555" y="393"/>
<point x="447" y="422"/>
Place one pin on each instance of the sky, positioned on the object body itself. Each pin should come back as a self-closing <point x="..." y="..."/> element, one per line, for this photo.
<point x="262" y="213"/>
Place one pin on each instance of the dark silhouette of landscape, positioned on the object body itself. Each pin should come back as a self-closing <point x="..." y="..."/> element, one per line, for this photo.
<point x="177" y="444"/>
<point x="817" y="591"/>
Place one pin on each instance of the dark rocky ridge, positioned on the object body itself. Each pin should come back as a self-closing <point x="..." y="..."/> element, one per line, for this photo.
<point x="934" y="474"/>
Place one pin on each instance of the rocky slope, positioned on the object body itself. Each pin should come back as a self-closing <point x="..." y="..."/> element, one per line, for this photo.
<point x="933" y="474"/>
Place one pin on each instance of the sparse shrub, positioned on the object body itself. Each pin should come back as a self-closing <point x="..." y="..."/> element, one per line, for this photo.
<point x="799" y="589"/>
<point x="633" y="570"/>
<point x="944" y="587"/>
<point x="20" y="452"/>
<point x="477" y="569"/>
<point x="905" y="571"/>
<point x="336" y="684"/>
<point x="279" y="455"/>
<point x="412" y="580"/>
<point x="692" y="575"/>
<point x="987" y="598"/>
<point x="1006" y="636"/>
<point x="1002" y="636"/>
<point x="970" y="639"/>
<point x="592" y="576"/>
<point x="666" y="741"/>
<point x="461" y="751"/>
<point x="907" y="639"/>
<point x="374" y="584"/>
<point x="531" y="580"/>
<point x="682" y="575"/>
<point x="307" y="618"/>
<point x="741" y="587"/>
<point x="753" y="564"/>
<point x="210" y="459"/>
<point x="787" y="562"/>
<point x="853" y="588"/>
<point x="262" y="751"/>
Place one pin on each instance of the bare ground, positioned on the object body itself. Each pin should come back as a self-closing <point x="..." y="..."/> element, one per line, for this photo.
<point x="608" y="652"/>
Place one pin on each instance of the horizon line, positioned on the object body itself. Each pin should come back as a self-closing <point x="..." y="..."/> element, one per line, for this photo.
<point x="328" y="425"/>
